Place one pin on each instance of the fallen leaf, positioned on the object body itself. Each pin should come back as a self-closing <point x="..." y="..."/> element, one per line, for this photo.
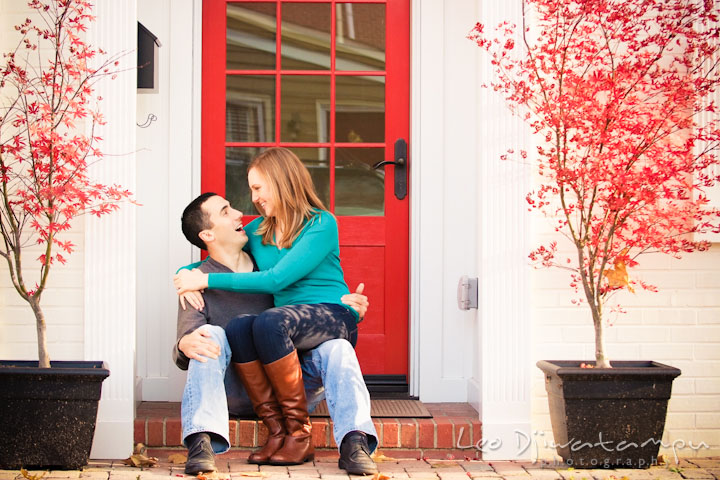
<point x="379" y="457"/>
<point x="177" y="458"/>
<point x="251" y="474"/>
<point x="380" y="476"/>
<point x="212" y="476"/>
<point x="662" y="459"/>
<point x="31" y="476"/>
<point x="444" y="464"/>
<point x="140" y="460"/>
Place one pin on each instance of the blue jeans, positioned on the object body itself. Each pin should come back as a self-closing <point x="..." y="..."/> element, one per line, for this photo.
<point x="330" y="371"/>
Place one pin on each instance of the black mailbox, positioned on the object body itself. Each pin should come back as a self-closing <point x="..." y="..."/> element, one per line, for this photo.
<point x="147" y="44"/>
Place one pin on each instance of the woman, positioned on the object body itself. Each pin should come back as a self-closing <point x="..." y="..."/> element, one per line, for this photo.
<point x="295" y="245"/>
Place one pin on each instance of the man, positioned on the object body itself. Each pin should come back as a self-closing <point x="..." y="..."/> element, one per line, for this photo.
<point x="211" y="390"/>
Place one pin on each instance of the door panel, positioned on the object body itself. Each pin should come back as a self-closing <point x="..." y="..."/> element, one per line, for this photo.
<point x="329" y="80"/>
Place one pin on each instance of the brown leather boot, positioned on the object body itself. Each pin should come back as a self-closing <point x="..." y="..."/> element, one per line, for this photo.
<point x="266" y="407"/>
<point x="286" y="378"/>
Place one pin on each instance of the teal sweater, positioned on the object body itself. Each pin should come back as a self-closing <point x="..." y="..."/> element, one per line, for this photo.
<point x="306" y="273"/>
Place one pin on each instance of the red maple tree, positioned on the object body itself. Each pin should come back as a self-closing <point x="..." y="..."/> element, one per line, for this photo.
<point x="47" y="141"/>
<point x="620" y="95"/>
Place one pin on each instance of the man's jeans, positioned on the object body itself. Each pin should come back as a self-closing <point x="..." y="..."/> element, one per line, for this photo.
<point x="330" y="371"/>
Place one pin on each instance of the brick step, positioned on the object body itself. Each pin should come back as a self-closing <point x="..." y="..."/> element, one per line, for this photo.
<point x="454" y="430"/>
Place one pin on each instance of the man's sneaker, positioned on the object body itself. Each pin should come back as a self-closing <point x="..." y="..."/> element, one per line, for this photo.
<point x="355" y="455"/>
<point x="200" y="454"/>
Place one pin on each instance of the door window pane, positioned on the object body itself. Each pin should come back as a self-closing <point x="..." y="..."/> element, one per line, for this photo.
<point x="237" y="191"/>
<point x="360" y="36"/>
<point x="305" y="36"/>
<point x="250" y="108"/>
<point x="359" y="189"/>
<point x="317" y="162"/>
<point x="304" y="98"/>
<point x="250" y="35"/>
<point x="237" y="160"/>
<point x="359" y="109"/>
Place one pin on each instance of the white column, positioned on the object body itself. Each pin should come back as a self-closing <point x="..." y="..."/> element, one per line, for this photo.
<point x="110" y="240"/>
<point x="503" y="232"/>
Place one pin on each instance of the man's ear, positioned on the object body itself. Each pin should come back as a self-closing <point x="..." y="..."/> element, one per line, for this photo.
<point x="206" y="236"/>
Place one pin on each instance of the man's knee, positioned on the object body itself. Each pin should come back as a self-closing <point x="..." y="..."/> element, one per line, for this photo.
<point x="217" y="334"/>
<point x="335" y="350"/>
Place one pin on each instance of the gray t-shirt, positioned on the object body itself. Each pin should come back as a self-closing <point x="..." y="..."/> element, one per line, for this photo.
<point x="220" y="307"/>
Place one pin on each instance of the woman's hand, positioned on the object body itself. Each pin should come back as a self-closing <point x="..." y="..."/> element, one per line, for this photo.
<point x="357" y="301"/>
<point x="187" y="280"/>
<point x="194" y="298"/>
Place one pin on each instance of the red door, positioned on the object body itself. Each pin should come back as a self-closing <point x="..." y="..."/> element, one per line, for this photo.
<point x="329" y="80"/>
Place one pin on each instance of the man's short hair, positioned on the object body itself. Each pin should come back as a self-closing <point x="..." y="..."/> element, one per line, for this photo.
<point x="194" y="220"/>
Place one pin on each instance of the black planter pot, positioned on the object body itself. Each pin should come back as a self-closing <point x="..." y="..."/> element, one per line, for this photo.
<point x="608" y="417"/>
<point x="48" y="414"/>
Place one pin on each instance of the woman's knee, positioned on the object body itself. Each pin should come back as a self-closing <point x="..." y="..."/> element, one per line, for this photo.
<point x="271" y="336"/>
<point x="239" y="331"/>
<point x="270" y="324"/>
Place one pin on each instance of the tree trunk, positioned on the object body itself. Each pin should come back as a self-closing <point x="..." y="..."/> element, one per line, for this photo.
<point x="43" y="357"/>
<point x="600" y="360"/>
<point x="595" y="305"/>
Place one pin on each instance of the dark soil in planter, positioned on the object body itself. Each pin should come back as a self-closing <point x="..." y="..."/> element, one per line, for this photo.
<point x="48" y="414"/>
<point x="608" y="417"/>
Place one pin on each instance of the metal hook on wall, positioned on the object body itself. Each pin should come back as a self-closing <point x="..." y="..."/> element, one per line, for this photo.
<point x="151" y="118"/>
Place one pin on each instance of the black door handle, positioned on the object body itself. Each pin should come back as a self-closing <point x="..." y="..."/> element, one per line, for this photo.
<point x="400" y="164"/>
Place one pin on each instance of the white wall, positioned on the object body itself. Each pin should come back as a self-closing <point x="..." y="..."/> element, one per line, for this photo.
<point x="62" y="302"/>
<point x="90" y="302"/>
<point x="678" y="326"/>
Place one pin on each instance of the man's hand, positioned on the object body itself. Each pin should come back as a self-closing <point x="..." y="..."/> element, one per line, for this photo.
<point x="357" y="300"/>
<point x="198" y="346"/>
<point x="186" y="280"/>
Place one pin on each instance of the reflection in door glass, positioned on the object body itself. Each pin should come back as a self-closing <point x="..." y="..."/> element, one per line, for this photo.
<point x="359" y="109"/>
<point x="250" y="108"/>
<point x="305" y="36"/>
<point x="302" y="99"/>
<point x="359" y="189"/>
<point x="237" y="192"/>
<point x="237" y="160"/>
<point x="251" y="36"/>
<point x="360" y="36"/>
<point x="316" y="161"/>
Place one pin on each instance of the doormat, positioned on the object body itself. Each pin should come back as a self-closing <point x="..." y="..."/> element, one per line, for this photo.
<point x="385" y="408"/>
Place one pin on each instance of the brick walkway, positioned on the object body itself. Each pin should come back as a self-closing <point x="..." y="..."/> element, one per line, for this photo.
<point x="233" y="466"/>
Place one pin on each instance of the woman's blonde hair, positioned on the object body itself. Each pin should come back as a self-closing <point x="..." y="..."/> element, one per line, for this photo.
<point x="294" y="193"/>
